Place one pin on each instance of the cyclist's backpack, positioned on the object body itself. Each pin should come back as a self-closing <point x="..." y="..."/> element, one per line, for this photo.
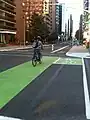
<point x="36" y="44"/>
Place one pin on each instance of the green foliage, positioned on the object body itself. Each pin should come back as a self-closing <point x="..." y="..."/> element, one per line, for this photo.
<point x="79" y="35"/>
<point x="38" y="27"/>
<point x="52" y="38"/>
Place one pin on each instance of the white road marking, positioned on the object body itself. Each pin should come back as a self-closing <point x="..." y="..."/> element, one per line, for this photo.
<point x="79" y="55"/>
<point x="56" y="60"/>
<point x="8" y="118"/>
<point x="60" y="49"/>
<point x="86" y="93"/>
<point x="52" y="47"/>
<point x="46" y="86"/>
<point x="87" y="56"/>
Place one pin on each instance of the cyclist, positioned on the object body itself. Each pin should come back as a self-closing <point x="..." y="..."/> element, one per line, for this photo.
<point x="38" y="46"/>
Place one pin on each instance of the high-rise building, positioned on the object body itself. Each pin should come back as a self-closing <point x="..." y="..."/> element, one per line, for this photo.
<point x="63" y="17"/>
<point x="68" y="28"/>
<point x="60" y="19"/>
<point x="71" y="25"/>
<point x="24" y="11"/>
<point x="62" y="10"/>
<point x="86" y="4"/>
<point x="57" y="18"/>
<point x="48" y="14"/>
<point x="53" y="15"/>
<point x="7" y="21"/>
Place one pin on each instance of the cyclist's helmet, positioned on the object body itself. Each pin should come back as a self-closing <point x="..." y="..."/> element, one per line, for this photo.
<point x="38" y="37"/>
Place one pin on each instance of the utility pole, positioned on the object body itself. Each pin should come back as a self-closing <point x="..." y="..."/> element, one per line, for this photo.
<point x="24" y="31"/>
<point x="24" y="17"/>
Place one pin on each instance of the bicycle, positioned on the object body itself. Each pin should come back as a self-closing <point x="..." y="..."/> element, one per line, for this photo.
<point x="36" y="59"/>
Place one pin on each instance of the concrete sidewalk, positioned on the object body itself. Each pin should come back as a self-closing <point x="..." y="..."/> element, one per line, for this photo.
<point x="11" y="48"/>
<point x="78" y="51"/>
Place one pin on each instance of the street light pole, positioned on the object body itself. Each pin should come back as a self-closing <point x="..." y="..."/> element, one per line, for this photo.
<point x="23" y="5"/>
<point x="24" y="31"/>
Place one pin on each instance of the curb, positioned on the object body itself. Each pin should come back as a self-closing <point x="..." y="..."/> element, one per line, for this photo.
<point x="78" y="55"/>
<point x="8" y="118"/>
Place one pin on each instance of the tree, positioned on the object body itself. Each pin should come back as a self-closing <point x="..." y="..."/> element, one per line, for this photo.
<point x="38" y="27"/>
<point x="79" y="32"/>
<point x="79" y="35"/>
<point x="53" y="37"/>
<point x="71" y="25"/>
<point x="81" y="27"/>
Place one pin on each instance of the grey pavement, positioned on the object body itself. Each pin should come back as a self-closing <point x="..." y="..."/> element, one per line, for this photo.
<point x="21" y="47"/>
<point x="87" y="67"/>
<point x="78" y="51"/>
<point x="9" y="59"/>
<point x="47" y="50"/>
<point x="82" y="52"/>
<point x="11" y="48"/>
<point x="56" y="94"/>
<point x="62" y="98"/>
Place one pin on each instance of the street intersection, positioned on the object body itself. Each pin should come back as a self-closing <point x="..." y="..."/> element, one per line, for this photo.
<point x="51" y="91"/>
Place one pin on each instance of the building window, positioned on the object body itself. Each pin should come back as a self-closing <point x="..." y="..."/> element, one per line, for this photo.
<point x="27" y="18"/>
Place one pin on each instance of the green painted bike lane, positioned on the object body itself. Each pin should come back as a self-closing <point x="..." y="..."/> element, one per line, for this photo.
<point x="14" y="80"/>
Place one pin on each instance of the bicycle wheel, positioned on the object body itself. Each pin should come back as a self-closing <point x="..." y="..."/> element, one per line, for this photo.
<point x="40" y="61"/>
<point x="34" y="62"/>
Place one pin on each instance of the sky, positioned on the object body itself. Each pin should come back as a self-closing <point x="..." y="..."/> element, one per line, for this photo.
<point x="74" y="7"/>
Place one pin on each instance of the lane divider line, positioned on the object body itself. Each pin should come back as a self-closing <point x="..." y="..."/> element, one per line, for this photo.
<point x="46" y="86"/>
<point x="60" y="49"/>
<point x="86" y="93"/>
<point x="56" y="60"/>
<point x="8" y="118"/>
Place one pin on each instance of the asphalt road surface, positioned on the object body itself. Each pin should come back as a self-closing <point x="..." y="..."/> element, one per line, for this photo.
<point x="10" y="59"/>
<point x="87" y="65"/>
<point x="56" y="94"/>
